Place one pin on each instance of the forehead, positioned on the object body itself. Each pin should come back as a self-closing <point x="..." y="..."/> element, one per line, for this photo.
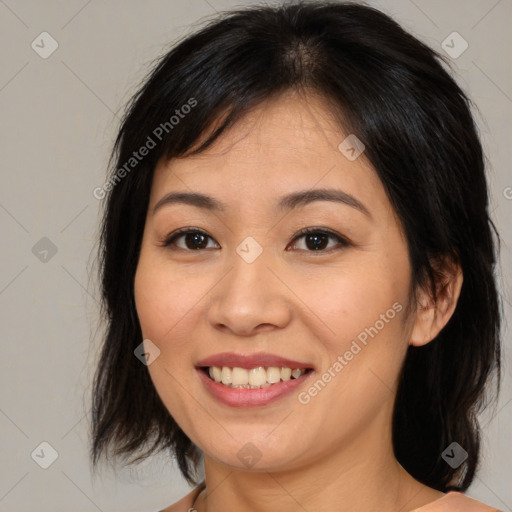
<point x="289" y="143"/>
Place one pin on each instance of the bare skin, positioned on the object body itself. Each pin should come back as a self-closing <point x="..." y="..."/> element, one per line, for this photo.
<point x="333" y="453"/>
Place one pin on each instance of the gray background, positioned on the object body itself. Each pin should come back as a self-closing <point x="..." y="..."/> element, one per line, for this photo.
<point x="59" y="117"/>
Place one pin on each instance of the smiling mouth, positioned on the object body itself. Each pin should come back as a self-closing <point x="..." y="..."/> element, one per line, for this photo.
<point x="253" y="378"/>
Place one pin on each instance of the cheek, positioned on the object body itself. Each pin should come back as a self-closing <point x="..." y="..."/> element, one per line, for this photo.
<point x="360" y="311"/>
<point x="164" y="310"/>
<point x="163" y="299"/>
<point x="362" y="359"/>
<point x="153" y="301"/>
<point x="351" y="300"/>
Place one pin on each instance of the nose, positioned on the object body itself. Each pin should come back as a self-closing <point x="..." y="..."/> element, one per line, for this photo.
<point x="250" y="299"/>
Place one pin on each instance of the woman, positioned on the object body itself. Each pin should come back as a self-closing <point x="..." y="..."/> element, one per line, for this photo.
<point x="297" y="269"/>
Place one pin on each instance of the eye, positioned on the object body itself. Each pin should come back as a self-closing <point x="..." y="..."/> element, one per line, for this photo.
<point x="317" y="239"/>
<point x="194" y="239"/>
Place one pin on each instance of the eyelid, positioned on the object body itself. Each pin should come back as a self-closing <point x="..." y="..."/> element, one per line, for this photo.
<point x="342" y="240"/>
<point x="183" y="231"/>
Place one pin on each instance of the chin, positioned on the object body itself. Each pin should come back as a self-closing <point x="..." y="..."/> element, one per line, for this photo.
<point x="256" y="453"/>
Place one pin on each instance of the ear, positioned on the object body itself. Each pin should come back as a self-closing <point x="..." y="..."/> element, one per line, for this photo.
<point x="432" y="316"/>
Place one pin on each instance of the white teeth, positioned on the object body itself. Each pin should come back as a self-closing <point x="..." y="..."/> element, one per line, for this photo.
<point x="273" y="374"/>
<point x="296" y="373"/>
<point x="254" y="378"/>
<point x="257" y="376"/>
<point x="239" y="376"/>
<point x="286" y="373"/>
<point x="225" y="375"/>
<point x="215" y="373"/>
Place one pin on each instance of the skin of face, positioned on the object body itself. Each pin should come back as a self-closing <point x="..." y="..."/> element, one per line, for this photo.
<point x="290" y="301"/>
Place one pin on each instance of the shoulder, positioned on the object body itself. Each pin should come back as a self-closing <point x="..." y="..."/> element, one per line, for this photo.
<point x="185" y="504"/>
<point x="455" y="501"/>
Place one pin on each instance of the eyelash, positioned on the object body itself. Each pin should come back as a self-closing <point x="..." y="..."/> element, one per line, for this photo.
<point x="303" y="232"/>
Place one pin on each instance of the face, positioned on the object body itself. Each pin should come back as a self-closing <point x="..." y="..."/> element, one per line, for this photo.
<point x="246" y="282"/>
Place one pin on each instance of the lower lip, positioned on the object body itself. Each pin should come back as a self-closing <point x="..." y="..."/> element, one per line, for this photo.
<point x="251" y="397"/>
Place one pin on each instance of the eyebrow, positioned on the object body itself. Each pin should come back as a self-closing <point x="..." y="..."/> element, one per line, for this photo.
<point x="287" y="202"/>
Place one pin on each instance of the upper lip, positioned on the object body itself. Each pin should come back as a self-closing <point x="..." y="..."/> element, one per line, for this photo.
<point x="231" y="360"/>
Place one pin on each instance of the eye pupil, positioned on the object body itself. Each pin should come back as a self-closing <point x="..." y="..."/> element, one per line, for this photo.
<point x="318" y="241"/>
<point x="194" y="238"/>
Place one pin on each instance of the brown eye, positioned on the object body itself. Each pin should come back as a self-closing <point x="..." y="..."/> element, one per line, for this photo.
<point x="318" y="239"/>
<point x="194" y="239"/>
